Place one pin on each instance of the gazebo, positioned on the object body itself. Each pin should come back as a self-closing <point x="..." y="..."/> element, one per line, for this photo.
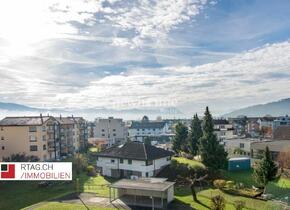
<point x="144" y="192"/>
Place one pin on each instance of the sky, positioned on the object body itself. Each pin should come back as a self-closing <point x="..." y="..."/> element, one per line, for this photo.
<point x="144" y="54"/>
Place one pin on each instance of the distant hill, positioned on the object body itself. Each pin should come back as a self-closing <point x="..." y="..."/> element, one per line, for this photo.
<point x="16" y="107"/>
<point x="277" y="108"/>
<point x="12" y="109"/>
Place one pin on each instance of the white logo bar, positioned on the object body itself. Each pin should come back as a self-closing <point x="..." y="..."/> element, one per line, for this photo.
<point x="35" y="171"/>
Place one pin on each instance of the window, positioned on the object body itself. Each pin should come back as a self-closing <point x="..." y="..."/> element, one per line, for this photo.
<point x="114" y="130"/>
<point x="242" y="145"/>
<point x="33" y="148"/>
<point x="153" y="129"/>
<point x="43" y="138"/>
<point x="149" y="162"/>
<point x="32" y="129"/>
<point x="103" y="130"/>
<point x="3" y="148"/>
<point x="130" y="162"/>
<point x="147" y="174"/>
<point x="103" y="134"/>
<point x="43" y="128"/>
<point x="2" y="129"/>
<point x="121" y="160"/>
<point x="114" y="134"/>
<point x="32" y="138"/>
<point x="138" y="129"/>
<point x="143" y="129"/>
<point x="97" y="158"/>
<point x="44" y="147"/>
<point x="112" y="161"/>
<point x="2" y="137"/>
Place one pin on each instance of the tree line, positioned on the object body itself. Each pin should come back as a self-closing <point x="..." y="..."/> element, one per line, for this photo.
<point x="201" y="140"/>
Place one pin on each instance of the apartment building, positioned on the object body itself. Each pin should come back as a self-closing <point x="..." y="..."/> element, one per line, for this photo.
<point x="133" y="159"/>
<point x="139" y="130"/>
<point x="66" y="127"/>
<point x="35" y="136"/>
<point x="223" y="129"/>
<point x="112" y="129"/>
<point x="80" y="133"/>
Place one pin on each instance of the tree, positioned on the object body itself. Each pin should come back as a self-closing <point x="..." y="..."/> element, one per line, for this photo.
<point x="21" y="157"/>
<point x="147" y="140"/>
<point x="194" y="135"/>
<point x="212" y="153"/>
<point x="179" y="141"/>
<point x="265" y="170"/>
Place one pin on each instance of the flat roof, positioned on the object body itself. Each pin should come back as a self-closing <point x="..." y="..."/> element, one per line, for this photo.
<point x="275" y="145"/>
<point x="149" y="184"/>
<point x="239" y="158"/>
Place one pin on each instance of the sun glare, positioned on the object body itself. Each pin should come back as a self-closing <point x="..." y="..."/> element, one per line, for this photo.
<point x="24" y="24"/>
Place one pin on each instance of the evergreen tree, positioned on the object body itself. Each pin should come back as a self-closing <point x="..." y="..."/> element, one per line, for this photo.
<point x="147" y="140"/>
<point x="180" y="139"/>
<point x="194" y="135"/>
<point x="212" y="153"/>
<point x="265" y="170"/>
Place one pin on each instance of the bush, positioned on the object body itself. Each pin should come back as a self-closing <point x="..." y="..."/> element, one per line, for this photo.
<point x="218" y="203"/>
<point x="219" y="183"/>
<point x="91" y="171"/>
<point x="230" y="184"/>
<point x="239" y="205"/>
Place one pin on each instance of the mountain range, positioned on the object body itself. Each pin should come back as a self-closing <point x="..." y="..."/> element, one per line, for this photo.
<point x="10" y="109"/>
<point x="276" y="108"/>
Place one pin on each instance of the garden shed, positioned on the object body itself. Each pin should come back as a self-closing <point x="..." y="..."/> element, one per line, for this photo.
<point x="239" y="164"/>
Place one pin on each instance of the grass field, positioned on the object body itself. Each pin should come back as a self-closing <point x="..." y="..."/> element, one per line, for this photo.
<point x="17" y="195"/>
<point x="66" y="206"/>
<point x="191" y="163"/>
<point x="184" y="200"/>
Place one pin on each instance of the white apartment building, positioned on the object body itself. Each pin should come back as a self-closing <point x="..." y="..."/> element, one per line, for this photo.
<point x="133" y="159"/>
<point x="112" y="129"/>
<point x="139" y="130"/>
<point x="281" y="121"/>
<point x="223" y="129"/>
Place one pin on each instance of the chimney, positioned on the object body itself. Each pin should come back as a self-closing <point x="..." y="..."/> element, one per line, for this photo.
<point x="41" y="118"/>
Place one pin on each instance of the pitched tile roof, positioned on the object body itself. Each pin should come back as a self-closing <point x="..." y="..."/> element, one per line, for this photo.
<point x="24" y="121"/>
<point x="136" y="151"/>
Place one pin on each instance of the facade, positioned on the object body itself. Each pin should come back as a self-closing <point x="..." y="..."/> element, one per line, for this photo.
<point x="66" y="127"/>
<point x="45" y="137"/>
<point x="133" y="159"/>
<point x="282" y="133"/>
<point x="139" y="130"/>
<point x="223" y="129"/>
<point x="281" y="121"/>
<point x="34" y="136"/>
<point x="112" y="129"/>
<point x="274" y="146"/>
<point x="80" y="133"/>
<point x="243" y="145"/>
<point x="147" y="192"/>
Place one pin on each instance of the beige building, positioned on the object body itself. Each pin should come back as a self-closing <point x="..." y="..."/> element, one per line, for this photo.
<point x="45" y="137"/>
<point x="112" y="129"/>
<point x="34" y="136"/>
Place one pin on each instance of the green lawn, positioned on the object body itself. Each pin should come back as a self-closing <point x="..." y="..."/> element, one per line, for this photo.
<point x="98" y="184"/>
<point x="184" y="200"/>
<point x="191" y="163"/>
<point x="22" y="194"/>
<point x="67" y="206"/>
<point x="17" y="195"/>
